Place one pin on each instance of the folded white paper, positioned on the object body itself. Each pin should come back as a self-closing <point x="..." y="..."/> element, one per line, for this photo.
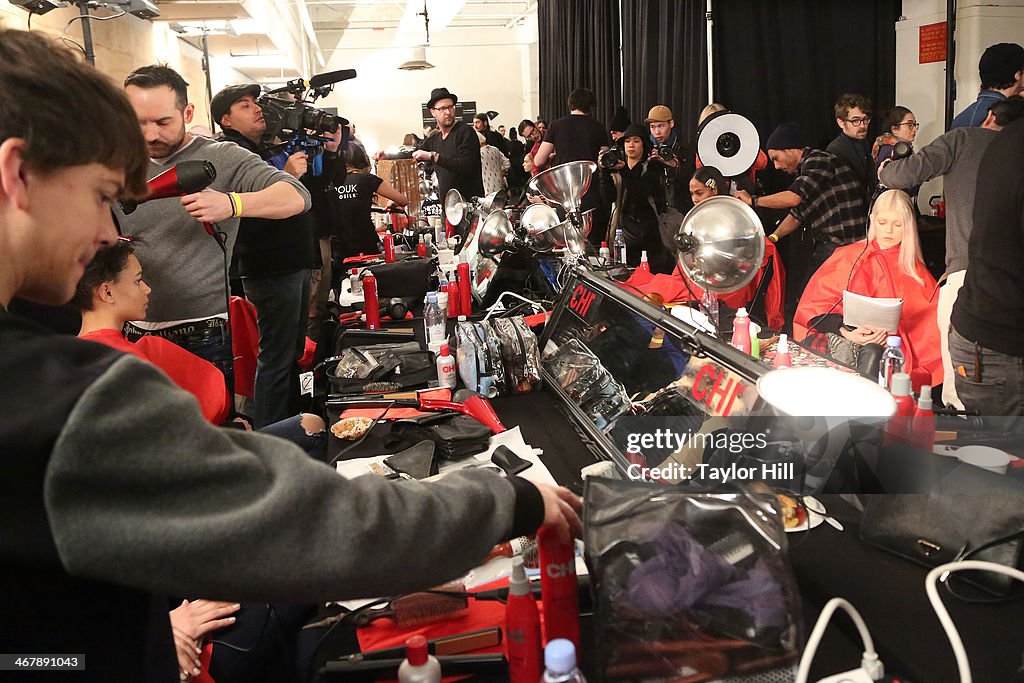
<point x="866" y="311"/>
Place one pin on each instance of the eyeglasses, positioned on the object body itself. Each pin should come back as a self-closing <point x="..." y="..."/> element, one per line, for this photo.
<point x="445" y="108"/>
<point x="912" y="124"/>
<point x="860" y="120"/>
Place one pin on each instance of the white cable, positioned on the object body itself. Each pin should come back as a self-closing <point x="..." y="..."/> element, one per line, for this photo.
<point x="869" y="660"/>
<point x="495" y="306"/>
<point x="931" y="588"/>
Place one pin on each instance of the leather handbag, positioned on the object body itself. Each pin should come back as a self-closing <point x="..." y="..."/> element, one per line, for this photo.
<point x="971" y="514"/>
<point x="669" y="222"/>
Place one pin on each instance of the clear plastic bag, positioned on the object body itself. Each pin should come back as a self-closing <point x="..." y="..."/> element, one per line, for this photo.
<point x="578" y="371"/>
<point x="689" y="584"/>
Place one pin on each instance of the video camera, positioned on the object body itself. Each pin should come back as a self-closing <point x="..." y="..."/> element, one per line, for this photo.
<point x="292" y="118"/>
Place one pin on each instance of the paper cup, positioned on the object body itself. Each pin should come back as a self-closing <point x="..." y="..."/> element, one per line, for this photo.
<point x="985" y="457"/>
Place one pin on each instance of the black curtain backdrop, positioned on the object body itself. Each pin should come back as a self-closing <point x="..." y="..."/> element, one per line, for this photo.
<point x="788" y="60"/>
<point x="579" y="48"/>
<point x="664" y="59"/>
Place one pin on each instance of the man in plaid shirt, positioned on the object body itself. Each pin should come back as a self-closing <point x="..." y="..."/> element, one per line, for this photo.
<point x="826" y="198"/>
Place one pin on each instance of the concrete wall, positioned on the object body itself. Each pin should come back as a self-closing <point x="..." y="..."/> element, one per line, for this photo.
<point x="921" y="87"/>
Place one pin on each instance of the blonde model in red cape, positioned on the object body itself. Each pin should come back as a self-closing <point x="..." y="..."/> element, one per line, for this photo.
<point x="888" y="264"/>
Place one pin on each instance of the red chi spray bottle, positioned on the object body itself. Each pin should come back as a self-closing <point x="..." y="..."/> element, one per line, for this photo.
<point x="522" y="628"/>
<point x="558" y="586"/>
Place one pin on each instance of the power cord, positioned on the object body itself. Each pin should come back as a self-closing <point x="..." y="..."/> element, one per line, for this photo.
<point x="941" y="573"/>
<point x="869" y="662"/>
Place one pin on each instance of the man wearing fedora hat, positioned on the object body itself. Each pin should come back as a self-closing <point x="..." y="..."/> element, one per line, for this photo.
<point x="454" y="151"/>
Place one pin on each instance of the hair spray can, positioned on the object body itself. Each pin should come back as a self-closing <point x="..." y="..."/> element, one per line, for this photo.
<point x="558" y="586"/>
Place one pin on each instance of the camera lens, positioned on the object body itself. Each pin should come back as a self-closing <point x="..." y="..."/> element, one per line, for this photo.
<point x="728" y="144"/>
<point x="666" y="152"/>
<point x="609" y="159"/>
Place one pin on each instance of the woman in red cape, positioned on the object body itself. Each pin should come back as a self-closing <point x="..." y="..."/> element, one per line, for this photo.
<point x="886" y="265"/>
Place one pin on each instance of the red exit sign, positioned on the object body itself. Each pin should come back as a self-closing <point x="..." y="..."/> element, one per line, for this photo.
<point x="932" y="43"/>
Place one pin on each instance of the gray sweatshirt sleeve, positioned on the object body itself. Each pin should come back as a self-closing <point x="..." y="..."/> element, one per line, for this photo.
<point x="141" y="490"/>
<point x="932" y="161"/>
<point x="252" y="174"/>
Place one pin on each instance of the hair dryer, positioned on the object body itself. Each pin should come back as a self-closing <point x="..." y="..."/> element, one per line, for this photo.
<point x="463" y="401"/>
<point x="181" y="179"/>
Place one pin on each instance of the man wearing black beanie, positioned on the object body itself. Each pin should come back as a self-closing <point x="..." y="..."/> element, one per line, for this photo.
<point x="825" y="198"/>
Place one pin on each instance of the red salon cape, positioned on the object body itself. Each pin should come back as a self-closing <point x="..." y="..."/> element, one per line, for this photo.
<point x="187" y="370"/>
<point x="672" y="288"/>
<point x="877" y="274"/>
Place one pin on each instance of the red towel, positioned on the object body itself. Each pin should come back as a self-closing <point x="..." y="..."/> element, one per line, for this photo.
<point x="245" y="341"/>
<point x="195" y="375"/>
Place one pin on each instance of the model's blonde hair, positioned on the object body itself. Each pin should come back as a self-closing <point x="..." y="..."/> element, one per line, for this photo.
<point x="707" y="111"/>
<point x="910" y="247"/>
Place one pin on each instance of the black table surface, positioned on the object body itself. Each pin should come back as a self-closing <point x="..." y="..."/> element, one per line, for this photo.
<point x="887" y="590"/>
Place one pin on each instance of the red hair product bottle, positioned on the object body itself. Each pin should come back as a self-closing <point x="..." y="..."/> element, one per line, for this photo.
<point x="558" y="586"/>
<point x="522" y="628"/>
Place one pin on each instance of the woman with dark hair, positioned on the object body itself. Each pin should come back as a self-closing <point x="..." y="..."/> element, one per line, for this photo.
<point x="638" y="194"/>
<point x="350" y="201"/>
<point x="707" y="182"/>
<point x="899" y="125"/>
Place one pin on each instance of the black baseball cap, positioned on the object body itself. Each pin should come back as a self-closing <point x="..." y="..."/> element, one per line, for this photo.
<point x="222" y="101"/>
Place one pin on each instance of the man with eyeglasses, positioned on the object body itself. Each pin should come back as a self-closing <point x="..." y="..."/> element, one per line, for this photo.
<point x="853" y="116"/>
<point x="956" y="156"/>
<point x="454" y="150"/>
<point x="532" y="135"/>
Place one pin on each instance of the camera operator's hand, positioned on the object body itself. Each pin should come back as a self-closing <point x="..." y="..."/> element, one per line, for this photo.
<point x="208" y="206"/>
<point x="423" y="155"/>
<point x="297" y="165"/>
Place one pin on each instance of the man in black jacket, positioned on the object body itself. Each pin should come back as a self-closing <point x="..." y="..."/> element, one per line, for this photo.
<point x="454" y="150"/>
<point x="988" y="316"/>
<point x="482" y="125"/>
<point x="676" y="165"/>
<point x="274" y="258"/>
<point x="853" y="116"/>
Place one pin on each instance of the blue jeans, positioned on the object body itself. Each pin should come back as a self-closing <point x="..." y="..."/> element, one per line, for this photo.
<point x="205" y="338"/>
<point x="291" y="429"/>
<point x="994" y="382"/>
<point x="282" y="307"/>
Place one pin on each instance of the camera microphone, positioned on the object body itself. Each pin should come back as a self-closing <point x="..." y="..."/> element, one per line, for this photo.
<point x="331" y="77"/>
<point x="185" y="177"/>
